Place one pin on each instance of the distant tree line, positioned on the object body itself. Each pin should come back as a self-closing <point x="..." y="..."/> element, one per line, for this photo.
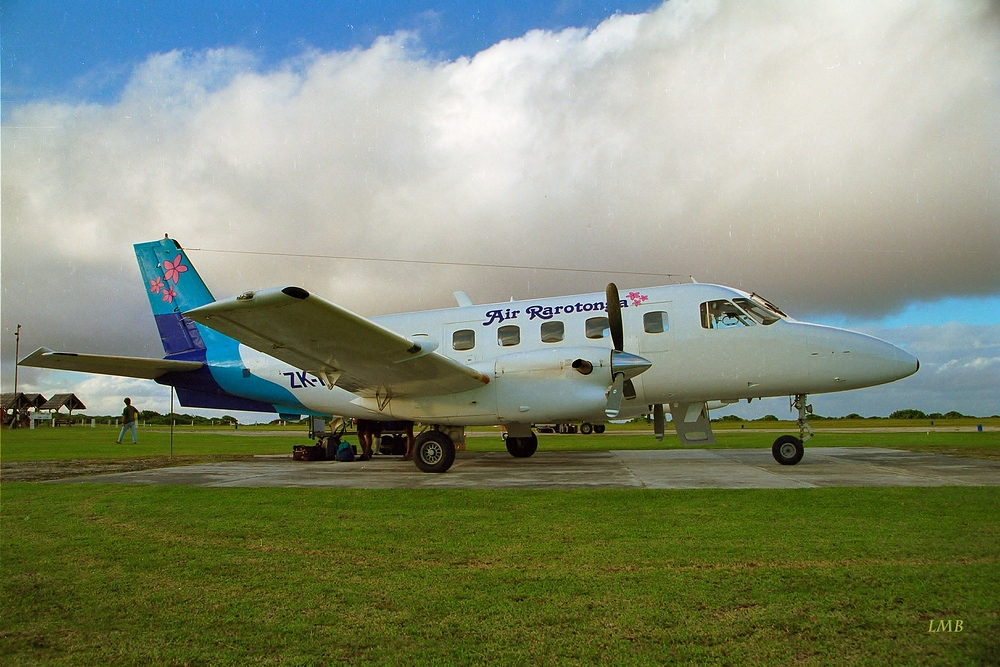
<point x="154" y="418"/>
<point x="909" y="413"/>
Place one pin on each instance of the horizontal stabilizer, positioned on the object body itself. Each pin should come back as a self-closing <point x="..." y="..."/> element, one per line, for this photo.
<point x="333" y="343"/>
<point x="131" y="367"/>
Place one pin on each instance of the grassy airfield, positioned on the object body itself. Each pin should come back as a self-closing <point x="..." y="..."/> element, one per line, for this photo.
<point x="955" y="436"/>
<point x="101" y="575"/>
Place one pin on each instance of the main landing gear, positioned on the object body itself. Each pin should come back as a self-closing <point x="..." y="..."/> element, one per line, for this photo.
<point x="522" y="448"/>
<point x="787" y="450"/>
<point x="434" y="451"/>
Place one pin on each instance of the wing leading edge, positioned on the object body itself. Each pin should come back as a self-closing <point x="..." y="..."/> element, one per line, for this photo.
<point x="132" y="367"/>
<point x="333" y="343"/>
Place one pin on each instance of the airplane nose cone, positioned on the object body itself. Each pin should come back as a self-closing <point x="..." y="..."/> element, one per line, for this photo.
<point x="909" y="363"/>
<point x="885" y="362"/>
<point x="843" y="359"/>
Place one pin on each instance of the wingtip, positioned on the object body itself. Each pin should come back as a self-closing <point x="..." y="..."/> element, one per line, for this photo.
<point x="40" y="352"/>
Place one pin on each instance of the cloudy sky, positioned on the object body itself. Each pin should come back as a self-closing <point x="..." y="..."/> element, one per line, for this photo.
<point x="841" y="158"/>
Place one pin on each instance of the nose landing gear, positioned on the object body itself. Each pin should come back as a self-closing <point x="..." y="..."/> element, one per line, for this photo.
<point x="787" y="450"/>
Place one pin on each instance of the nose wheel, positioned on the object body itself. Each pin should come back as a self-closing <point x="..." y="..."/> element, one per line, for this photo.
<point x="788" y="450"/>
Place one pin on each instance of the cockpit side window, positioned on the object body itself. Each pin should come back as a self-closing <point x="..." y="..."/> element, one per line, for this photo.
<point x="722" y="314"/>
<point x="756" y="311"/>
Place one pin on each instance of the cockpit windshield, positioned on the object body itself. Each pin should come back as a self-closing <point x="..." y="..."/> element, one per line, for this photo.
<point x="757" y="298"/>
<point x="722" y="314"/>
<point x="758" y="312"/>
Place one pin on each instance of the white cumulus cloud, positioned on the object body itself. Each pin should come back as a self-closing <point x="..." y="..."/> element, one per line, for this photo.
<point x="835" y="156"/>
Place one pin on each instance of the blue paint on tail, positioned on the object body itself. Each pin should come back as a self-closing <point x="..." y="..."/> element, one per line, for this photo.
<point x="174" y="287"/>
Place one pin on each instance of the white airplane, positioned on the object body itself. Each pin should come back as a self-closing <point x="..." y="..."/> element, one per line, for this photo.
<point x="583" y="358"/>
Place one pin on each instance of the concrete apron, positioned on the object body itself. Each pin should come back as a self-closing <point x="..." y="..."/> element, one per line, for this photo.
<point x="656" y="469"/>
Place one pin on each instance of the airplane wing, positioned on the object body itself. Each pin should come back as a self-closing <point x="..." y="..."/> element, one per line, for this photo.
<point x="342" y="348"/>
<point x="132" y="367"/>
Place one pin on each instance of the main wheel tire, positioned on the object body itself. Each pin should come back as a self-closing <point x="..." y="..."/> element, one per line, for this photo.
<point x="522" y="448"/>
<point x="586" y="428"/>
<point x="599" y="428"/>
<point x="435" y="452"/>
<point x="787" y="450"/>
<point x="513" y="446"/>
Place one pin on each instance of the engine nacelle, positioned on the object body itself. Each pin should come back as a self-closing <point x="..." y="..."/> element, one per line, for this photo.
<point x="552" y="385"/>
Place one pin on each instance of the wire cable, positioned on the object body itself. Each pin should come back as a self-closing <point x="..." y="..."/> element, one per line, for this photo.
<point x="428" y="262"/>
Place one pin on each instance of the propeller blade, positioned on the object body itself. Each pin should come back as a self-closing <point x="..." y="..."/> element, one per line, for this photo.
<point x="624" y="366"/>
<point x="615" y="397"/>
<point x="658" y="426"/>
<point x="615" y="316"/>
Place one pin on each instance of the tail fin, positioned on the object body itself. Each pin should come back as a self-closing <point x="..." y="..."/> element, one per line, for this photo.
<point x="173" y="287"/>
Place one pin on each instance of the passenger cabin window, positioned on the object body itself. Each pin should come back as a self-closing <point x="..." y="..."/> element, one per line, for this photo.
<point x="552" y="332"/>
<point x="723" y="315"/>
<point x="464" y="339"/>
<point x="654" y="322"/>
<point x="598" y="327"/>
<point x="509" y="335"/>
<point x="761" y="314"/>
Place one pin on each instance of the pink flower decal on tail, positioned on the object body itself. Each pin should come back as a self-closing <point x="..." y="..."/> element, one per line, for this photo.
<point x="636" y="298"/>
<point x="155" y="285"/>
<point x="169" y="293"/>
<point x="173" y="270"/>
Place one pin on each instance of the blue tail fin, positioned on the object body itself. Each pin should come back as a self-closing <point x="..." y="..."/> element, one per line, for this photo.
<point x="173" y="286"/>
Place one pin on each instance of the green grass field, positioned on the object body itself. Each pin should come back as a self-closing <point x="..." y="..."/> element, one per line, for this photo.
<point x="97" y="575"/>
<point x="50" y="444"/>
<point x="46" y="444"/>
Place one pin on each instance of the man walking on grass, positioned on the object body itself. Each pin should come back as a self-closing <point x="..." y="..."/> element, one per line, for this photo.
<point x="129" y="417"/>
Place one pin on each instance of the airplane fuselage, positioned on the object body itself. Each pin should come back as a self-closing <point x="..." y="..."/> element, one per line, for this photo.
<point x="532" y="352"/>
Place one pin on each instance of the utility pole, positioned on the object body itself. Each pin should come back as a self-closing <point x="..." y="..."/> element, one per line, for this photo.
<point x="17" y="354"/>
<point x="171" y="421"/>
